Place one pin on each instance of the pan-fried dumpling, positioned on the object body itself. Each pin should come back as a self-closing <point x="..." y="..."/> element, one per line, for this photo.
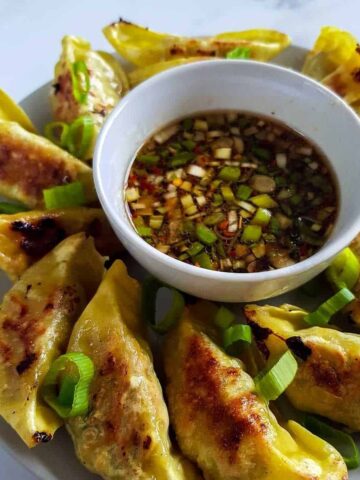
<point x="223" y="425"/>
<point x="125" y="434"/>
<point x="335" y="62"/>
<point x="353" y="309"/>
<point x="107" y="84"/>
<point x="10" y="111"/>
<point x="26" y="237"/>
<point x="36" y="319"/>
<point x="30" y="163"/>
<point x="142" y="46"/>
<point x="328" y="378"/>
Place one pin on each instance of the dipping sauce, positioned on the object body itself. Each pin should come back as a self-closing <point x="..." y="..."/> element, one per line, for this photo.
<point x="233" y="192"/>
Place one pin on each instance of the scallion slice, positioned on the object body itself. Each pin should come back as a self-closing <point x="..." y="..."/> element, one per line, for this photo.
<point x="69" y="195"/>
<point x="80" y="81"/>
<point x="237" y="334"/>
<point x="224" y="318"/>
<point x="273" y="382"/>
<point x="205" y="235"/>
<point x="150" y="289"/>
<point x="323" y="314"/>
<point x="342" y="441"/>
<point x="66" y="385"/>
<point x="344" y="270"/>
<point x="80" y="136"/>
<point x="57" y="132"/>
<point x="10" y="208"/>
<point x="238" y="52"/>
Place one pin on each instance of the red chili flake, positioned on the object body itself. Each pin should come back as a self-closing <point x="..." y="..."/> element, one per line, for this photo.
<point x="202" y="160"/>
<point x="223" y="225"/>
<point x="156" y="170"/>
<point x="303" y="249"/>
<point x="145" y="185"/>
<point x="233" y="253"/>
<point x="132" y="180"/>
<point x="198" y="149"/>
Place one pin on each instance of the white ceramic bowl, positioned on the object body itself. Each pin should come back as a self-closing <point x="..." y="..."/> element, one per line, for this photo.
<point x="239" y="85"/>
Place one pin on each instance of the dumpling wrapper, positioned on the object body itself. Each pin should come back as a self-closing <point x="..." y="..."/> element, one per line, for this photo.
<point x="27" y="236"/>
<point x="353" y="309"/>
<point x="328" y="378"/>
<point x="335" y="62"/>
<point x="30" y="163"/>
<point x="36" y="319"/>
<point x="143" y="47"/>
<point x="125" y="433"/>
<point x="223" y="425"/>
<point x="108" y="83"/>
<point x="10" y="111"/>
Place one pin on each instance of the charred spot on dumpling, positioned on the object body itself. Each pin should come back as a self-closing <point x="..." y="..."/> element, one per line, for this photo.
<point x="38" y="238"/>
<point x="108" y="365"/>
<point x="5" y="351"/>
<point x="26" y="363"/>
<point x="298" y="347"/>
<point x="260" y="333"/>
<point x="57" y="87"/>
<point x="326" y="376"/>
<point x="42" y="437"/>
<point x="204" y="377"/>
<point x="36" y="175"/>
<point x="147" y="442"/>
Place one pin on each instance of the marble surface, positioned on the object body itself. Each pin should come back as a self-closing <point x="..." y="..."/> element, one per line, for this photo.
<point x="30" y="32"/>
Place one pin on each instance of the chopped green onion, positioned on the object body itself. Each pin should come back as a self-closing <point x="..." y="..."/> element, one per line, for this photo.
<point x="205" y="235"/>
<point x="10" y="208"/>
<point x="204" y="261"/>
<point x="273" y="382"/>
<point x="80" y="81"/>
<point x="262" y="217"/>
<point x="230" y="174"/>
<point x="189" y="145"/>
<point x="261" y="153"/>
<point x="295" y="199"/>
<point x="69" y="195"/>
<point x="57" y="132"/>
<point x="150" y="289"/>
<point x="156" y="221"/>
<point x="280" y="181"/>
<point x="343" y="442"/>
<point x="217" y="200"/>
<point x="73" y="397"/>
<point x="144" y="231"/>
<point x="323" y="314"/>
<point x="214" y="218"/>
<point x="236" y="334"/>
<point x="181" y="158"/>
<point x="274" y="226"/>
<point x="80" y="136"/>
<point x="243" y="192"/>
<point x="187" y="123"/>
<point x="251" y="234"/>
<point x="344" y="270"/>
<point x="227" y="193"/>
<point x="195" y="249"/>
<point x="238" y="53"/>
<point x="148" y="159"/>
<point x="224" y="318"/>
<point x="263" y="200"/>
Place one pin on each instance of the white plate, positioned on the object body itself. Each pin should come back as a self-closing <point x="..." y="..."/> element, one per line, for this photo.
<point x="56" y="460"/>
